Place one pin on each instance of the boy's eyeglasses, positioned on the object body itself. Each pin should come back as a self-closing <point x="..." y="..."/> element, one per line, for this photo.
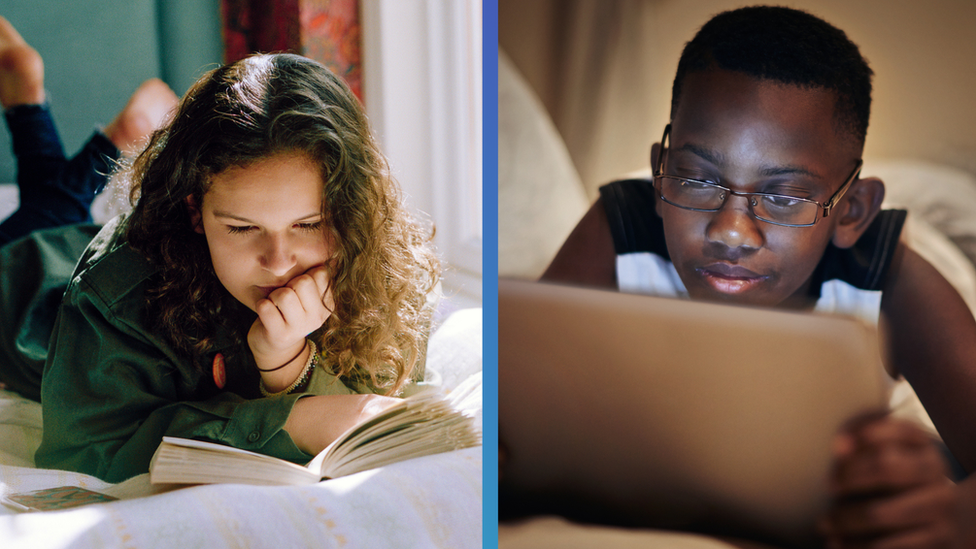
<point x="702" y="196"/>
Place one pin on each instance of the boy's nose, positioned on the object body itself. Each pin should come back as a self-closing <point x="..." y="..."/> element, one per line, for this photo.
<point x="734" y="226"/>
<point x="278" y="257"/>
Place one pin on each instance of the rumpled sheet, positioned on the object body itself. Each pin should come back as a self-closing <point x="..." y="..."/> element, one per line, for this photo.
<point x="434" y="501"/>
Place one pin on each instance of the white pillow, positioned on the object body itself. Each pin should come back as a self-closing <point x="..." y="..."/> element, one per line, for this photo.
<point x="945" y="197"/>
<point x="540" y="197"/>
<point x="941" y="226"/>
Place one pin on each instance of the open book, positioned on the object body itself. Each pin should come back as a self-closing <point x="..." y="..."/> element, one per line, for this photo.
<point x="419" y="425"/>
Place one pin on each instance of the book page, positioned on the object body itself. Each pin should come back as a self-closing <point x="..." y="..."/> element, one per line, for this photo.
<point x="419" y="418"/>
<point x="179" y="460"/>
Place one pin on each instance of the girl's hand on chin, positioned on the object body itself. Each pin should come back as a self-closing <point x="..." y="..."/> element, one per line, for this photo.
<point x="288" y="315"/>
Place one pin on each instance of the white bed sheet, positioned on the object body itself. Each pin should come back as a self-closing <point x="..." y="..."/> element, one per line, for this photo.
<point x="433" y="501"/>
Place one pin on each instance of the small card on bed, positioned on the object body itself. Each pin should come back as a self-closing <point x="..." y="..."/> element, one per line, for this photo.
<point x="419" y="425"/>
<point x="49" y="499"/>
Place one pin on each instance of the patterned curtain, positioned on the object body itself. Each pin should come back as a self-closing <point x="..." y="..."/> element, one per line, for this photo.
<point x="325" y="30"/>
<point x="260" y="26"/>
<point x="331" y="34"/>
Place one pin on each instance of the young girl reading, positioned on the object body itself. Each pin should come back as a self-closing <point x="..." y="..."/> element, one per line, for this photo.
<point x="266" y="285"/>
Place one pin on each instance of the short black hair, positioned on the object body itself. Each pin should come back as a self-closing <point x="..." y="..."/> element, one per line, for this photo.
<point x="785" y="45"/>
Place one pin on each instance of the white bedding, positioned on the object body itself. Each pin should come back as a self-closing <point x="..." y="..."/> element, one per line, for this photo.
<point x="433" y="501"/>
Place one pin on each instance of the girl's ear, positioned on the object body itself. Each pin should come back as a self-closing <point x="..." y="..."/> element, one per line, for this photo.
<point x="195" y="215"/>
<point x="857" y="210"/>
<point x="655" y="153"/>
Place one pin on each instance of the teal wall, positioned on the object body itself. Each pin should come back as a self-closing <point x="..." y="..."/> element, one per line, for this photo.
<point x="96" y="52"/>
<point x="190" y="40"/>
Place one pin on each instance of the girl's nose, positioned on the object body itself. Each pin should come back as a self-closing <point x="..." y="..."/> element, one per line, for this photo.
<point x="278" y="256"/>
<point x="734" y="226"/>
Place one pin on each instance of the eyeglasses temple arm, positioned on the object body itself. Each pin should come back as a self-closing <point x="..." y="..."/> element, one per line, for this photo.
<point x="843" y="190"/>
<point x="659" y="169"/>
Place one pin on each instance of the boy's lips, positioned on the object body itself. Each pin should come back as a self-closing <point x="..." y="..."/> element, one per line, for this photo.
<point x="730" y="279"/>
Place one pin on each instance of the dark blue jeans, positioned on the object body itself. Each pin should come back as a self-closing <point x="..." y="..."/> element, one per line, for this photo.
<point x="54" y="190"/>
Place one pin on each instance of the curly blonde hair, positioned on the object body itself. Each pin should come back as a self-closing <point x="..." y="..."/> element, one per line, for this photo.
<point x="383" y="266"/>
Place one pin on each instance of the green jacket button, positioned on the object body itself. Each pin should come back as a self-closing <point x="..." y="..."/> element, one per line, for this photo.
<point x="254" y="436"/>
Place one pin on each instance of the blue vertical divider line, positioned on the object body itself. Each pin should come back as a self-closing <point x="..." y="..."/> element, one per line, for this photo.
<point x="490" y="269"/>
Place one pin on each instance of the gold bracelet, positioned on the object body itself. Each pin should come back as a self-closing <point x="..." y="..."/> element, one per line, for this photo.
<point x="310" y="364"/>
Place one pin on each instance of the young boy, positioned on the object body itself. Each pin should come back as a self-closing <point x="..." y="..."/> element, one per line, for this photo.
<point x="756" y="199"/>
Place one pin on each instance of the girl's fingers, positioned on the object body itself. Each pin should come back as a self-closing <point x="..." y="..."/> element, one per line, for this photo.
<point x="320" y="275"/>
<point x="314" y="296"/>
<point x="282" y="315"/>
<point x="329" y="301"/>
<point x="288" y="301"/>
<point x="298" y="308"/>
<point x="270" y="317"/>
<point x="306" y="292"/>
<point x="313" y="285"/>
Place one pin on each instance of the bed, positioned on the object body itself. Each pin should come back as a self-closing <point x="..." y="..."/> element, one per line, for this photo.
<point x="433" y="501"/>
<point x="541" y="198"/>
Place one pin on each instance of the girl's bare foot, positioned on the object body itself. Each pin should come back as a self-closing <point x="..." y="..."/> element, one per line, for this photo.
<point x="147" y="110"/>
<point x="21" y="69"/>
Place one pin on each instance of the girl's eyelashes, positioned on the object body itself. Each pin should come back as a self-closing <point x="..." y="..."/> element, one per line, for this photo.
<point x="304" y="227"/>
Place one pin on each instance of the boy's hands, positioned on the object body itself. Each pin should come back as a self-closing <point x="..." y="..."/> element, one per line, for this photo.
<point x="286" y="316"/>
<point x="890" y="489"/>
